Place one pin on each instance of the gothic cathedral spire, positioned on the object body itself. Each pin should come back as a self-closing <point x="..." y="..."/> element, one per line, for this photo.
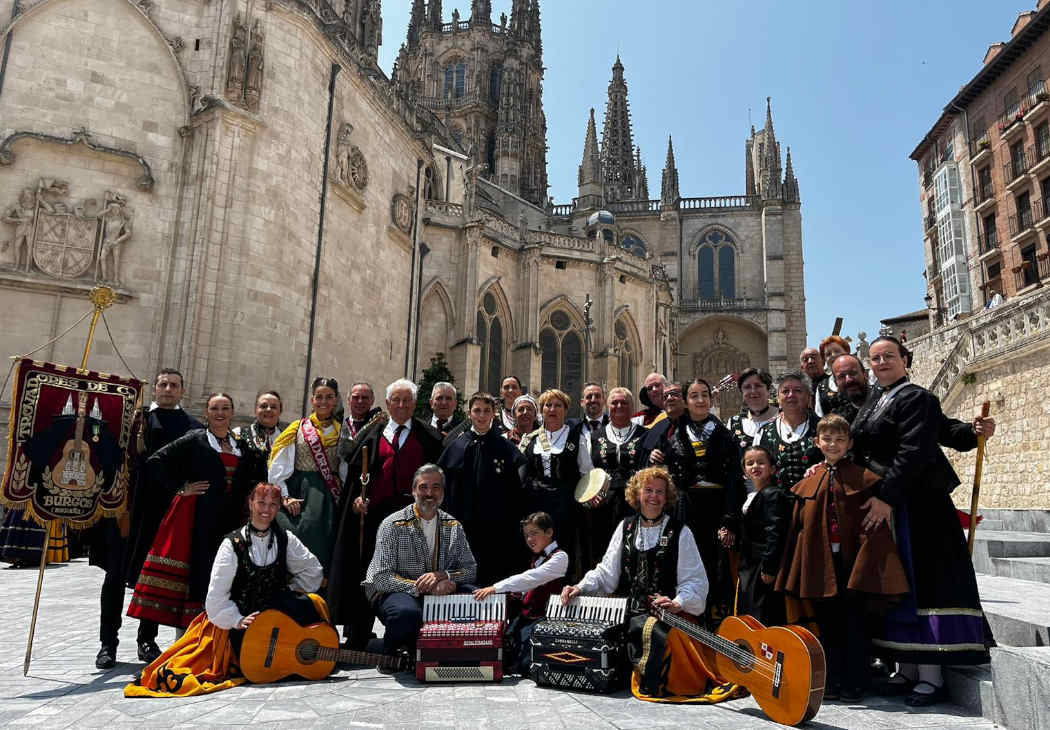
<point x="415" y="23"/>
<point x="669" y="194"/>
<point x="622" y="177"/>
<point x="481" y="12"/>
<point x="590" y="178"/>
<point x="434" y="14"/>
<point x="791" y="194"/>
<point x="770" y="163"/>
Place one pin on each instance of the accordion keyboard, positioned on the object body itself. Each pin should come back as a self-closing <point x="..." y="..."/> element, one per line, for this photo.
<point x="598" y="609"/>
<point x="464" y="607"/>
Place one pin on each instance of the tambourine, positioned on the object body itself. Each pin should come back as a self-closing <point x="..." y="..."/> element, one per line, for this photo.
<point x="593" y="488"/>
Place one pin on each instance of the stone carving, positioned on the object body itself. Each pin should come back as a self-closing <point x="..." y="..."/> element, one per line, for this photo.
<point x="115" y="223"/>
<point x="863" y="347"/>
<point x="67" y="240"/>
<point x="177" y="44"/>
<point x="254" y="77"/>
<point x="401" y="212"/>
<point x="351" y="166"/>
<point x="523" y="227"/>
<point x="80" y="136"/>
<point x="358" y="169"/>
<point x="238" y="62"/>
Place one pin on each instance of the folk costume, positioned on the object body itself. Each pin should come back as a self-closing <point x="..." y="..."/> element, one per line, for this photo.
<point x="252" y="572"/>
<point x="745" y="426"/>
<point x="483" y="489"/>
<point x="704" y="462"/>
<point x="445" y="426"/>
<point x="641" y="561"/>
<point x="941" y="622"/>
<point x="259" y="437"/>
<point x="555" y="461"/>
<point x="174" y="579"/>
<point x="794" y="449"/>
<point x="407" y="546"/>
<point x="618" y="451"/>
<point x="544" y="578"/>
<point x="763" y="530"/>
<point x="304" y="464"/>
<point x="395" y="451"/>
<point x="829" y="399"/>
<point x="848" y="573"/>
<point x="22" y="540"/>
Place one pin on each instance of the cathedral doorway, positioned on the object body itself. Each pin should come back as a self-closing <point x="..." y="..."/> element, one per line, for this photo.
<point x="714" y="363"/>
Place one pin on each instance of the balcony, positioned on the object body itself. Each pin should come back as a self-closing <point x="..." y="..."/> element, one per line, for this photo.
<point x="981" y="149"/>
<point x="1040" y="156"/>
<point x="1021" y="224"/>
<point x="984" y="197"/>
<point x="988" y="242"/>
<point x="721" y="304"/>
<point x="1041" y="213"/>
<point x="1038" y="103"/>
<point x="1025" y="275"/>
<point x="1011" y="124"/>
<point x="929" y="223"/>
<point x="1015" y="171"/>
<point x="927" y="178"/>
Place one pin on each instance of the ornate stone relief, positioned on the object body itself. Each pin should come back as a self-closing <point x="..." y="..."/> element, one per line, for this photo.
<point x="65" y="239"/>
<point x="401" y="210"/>
<point x="246" y="63"/>
<point x="351" y="166"/>
<point x="80" y="136"/>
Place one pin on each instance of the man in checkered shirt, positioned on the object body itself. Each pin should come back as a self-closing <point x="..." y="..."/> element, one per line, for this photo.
<point x="420" y="550"/>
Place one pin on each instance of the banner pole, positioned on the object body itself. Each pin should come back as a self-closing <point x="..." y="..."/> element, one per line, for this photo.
<point x="102" y="297"/>
<point x="36" y="601"/>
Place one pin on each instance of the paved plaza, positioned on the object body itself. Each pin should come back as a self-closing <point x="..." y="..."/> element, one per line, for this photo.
<point x="64" y="689"/>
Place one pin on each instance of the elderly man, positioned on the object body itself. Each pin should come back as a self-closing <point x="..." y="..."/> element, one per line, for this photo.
<point x="443" y="408"/>
<point x="361" y="402"/>
<point x="593" y="404"/>
<point x="652" y="397"/>
<point x="420" y="550"/>
<point x="811" y="363"/>
<point x="397" y="444"/>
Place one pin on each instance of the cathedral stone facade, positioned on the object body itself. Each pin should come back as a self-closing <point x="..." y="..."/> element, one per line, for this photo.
<point x="269" y="206"/>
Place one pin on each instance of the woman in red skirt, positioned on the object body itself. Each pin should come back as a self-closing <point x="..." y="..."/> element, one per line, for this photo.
<point x="209" y="473"/>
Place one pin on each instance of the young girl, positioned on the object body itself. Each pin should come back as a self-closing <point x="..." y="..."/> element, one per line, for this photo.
<point x="544" y="578"/>
<point x="840" y="553"/>
<point x="764" y="526"/>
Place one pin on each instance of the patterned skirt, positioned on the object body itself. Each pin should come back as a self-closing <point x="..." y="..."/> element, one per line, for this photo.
<point x="162" y="593"/>
<point x="22" y="539"/>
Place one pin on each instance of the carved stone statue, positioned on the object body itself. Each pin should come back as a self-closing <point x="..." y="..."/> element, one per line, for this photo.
<point x="455" y="19"/>
<point x="22" y="217"/>
<point x="863" y="347"/>
<point x="238" y="62"/>
<point x="254" y="77"/>
<point x="523" y="227"/>
<point x="342" y="154"/>
<point x="115" y="219"/>
<point x="503" y="21"/>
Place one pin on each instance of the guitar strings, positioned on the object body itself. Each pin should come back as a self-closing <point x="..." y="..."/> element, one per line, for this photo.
<point x="730" y="649"/>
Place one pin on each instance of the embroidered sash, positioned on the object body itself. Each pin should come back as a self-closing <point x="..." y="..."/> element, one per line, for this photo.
<point x="313" y="442"/>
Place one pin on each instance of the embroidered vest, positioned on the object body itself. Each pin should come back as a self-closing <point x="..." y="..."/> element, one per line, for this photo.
<point x="254" y="586"/>
<point x="645" y="572"/>
<point x="396" y="470"/>
<point x="534" y="603"/>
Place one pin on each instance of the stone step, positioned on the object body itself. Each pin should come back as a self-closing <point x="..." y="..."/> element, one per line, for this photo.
<point x="991" y="544"/>
<point x="1017" y="610"/>
<point x="971" y="688"/>
<point x="1021" y="520"/>
<point x="1020" y="687"/>
<point x="995" y="525"/>
<point x="1034" y="569"/>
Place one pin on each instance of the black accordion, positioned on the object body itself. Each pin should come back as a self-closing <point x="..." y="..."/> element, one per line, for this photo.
<point x="581" y="645"/>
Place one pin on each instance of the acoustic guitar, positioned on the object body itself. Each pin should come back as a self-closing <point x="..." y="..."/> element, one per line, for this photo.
<point x="74" y="467"/>
<point x="275" y="647"/>
<point x="781" y="666"/>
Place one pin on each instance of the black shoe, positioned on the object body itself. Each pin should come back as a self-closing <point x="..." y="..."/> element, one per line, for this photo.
<point x="925" y="699"/>
<point x="106" y="657"/>
<point x="148" y="651"/>
<point x="891" y="688"/>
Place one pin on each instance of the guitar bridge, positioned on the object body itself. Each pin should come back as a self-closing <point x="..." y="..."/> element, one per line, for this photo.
<point x="778" y="674"/>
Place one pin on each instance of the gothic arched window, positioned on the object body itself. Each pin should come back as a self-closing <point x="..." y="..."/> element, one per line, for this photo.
<point x="626" y="349"/>
<point x="716" y="266"/>
<point x="495" y="82"/>
<point x="634" y="244"/>
<point x="562" y="356"/>
<point x="455" y="79"/>
<point x="490" y="335"/>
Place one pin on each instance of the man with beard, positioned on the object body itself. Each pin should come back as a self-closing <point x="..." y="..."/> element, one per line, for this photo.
<point x="420" y="550"/>
<point x="397" y="444"/>
<point x="593" y="404"/>
<point x="652" y="397"/>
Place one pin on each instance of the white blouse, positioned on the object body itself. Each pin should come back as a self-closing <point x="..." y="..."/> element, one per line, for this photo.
<point x="558" y="441"/>
<point x="305" y="570"/>
<point x="283" y="464"/>
<point x="550" y="566"/>
<point x="692" y="578"/>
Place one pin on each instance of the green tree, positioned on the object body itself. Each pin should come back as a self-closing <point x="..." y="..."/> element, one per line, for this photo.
<point x="437" y="372"/>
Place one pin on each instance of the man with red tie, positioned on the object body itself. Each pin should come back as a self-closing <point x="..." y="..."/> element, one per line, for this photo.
<point x="397" y="444"/>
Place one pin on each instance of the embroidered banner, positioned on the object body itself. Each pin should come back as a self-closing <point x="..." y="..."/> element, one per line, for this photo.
<point x="66" y="451"/>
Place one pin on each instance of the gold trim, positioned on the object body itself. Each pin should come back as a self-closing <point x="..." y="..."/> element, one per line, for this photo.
<point x="161" y="560"/>
<point x="950" y="612"/>
<point x="647" y="643"/>
<point x="169" y="585"/>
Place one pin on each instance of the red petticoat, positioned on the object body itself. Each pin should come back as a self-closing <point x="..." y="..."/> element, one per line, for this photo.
<point x="162" y="593"/>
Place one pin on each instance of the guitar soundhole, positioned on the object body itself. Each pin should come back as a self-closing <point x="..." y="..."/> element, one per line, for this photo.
<point x="748" y="663"/>
<point x="307" y="651"/>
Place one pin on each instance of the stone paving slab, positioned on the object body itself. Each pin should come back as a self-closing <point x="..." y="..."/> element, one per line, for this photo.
<point x="64" y="689"/>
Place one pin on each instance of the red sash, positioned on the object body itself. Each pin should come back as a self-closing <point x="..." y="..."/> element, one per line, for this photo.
<point x="313" y="441"/>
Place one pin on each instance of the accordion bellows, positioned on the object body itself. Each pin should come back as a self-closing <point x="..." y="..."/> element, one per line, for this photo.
<point x="581" y="646"/>
<point x="461" y="639"/>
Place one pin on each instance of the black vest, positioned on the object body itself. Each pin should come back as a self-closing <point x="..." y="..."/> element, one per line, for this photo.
<point x="643" y="573"/>
<point x="255" y="586"/>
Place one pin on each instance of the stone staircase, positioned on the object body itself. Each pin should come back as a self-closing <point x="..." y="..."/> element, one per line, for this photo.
<point x="1012" y="559"/>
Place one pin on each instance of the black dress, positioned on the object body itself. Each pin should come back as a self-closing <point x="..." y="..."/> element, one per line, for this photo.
<point x="555" y="493"/>
<point x="621" y="458"/>
<point x="762" y="531"/>
<point x="792" y="458"/>
<point x="483" y="491"/>
<point x="941" y="622"/>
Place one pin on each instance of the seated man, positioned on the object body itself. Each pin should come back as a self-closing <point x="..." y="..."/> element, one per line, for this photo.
<point x="419" y="550"/>
<point x="653" y="561"/>
<point x="258" y="566"/>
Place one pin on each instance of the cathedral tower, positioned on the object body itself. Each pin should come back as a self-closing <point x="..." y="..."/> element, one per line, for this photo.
<point x="486" y="82"/>
<point x="624" y="176"/>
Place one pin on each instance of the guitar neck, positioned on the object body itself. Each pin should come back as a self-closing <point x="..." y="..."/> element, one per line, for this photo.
<point x="723" y="646"/>
<point x="351" y="656"/>
<point x="78" y="435"/>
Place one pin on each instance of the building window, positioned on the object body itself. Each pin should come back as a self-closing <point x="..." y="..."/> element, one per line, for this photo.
<point x="1017" y="161"/>
<point x="490" y="335"/>
<point x="716" y="266"/>
<point x="1010" y="103"/>
<point x="561" y="361"/>
<point x="456" y="79"/>
<point x="984" y="184"/>
<point x="979" y="129"/>
<point x="1042" y="140"/>
<point x="1028" y="274"/>
<point x="1024" y="211"/>
<point x="1035" y="81"/>
<point x="727" y="272"/>
<point x="495" y="82"/>
<point x="707" y="272"/>
<point x="634" y="244"/>
<point x="989" y="234"/>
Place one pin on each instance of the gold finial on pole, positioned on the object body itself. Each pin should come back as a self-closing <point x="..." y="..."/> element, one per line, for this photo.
<point x="102" y="297"/>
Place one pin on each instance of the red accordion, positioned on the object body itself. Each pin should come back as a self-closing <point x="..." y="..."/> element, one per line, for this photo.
<point x="461" y="639"/>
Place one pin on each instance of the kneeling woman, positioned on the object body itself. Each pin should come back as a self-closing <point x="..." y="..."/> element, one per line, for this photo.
<point x="258" y="566"/>
<point x="653" y="561"/>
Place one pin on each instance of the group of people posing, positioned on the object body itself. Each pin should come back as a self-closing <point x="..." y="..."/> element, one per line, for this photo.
<point x="825" y="502"/>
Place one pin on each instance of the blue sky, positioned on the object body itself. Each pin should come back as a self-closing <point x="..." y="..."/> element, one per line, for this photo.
<point x="855" y="86"/>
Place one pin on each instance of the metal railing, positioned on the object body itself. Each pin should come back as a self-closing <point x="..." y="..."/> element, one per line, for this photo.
<point x="696" y="303"/>
<point x="985" y="191"/>
<point x="1021" y="222"/>
<point x="1018" y="165"/>
<point x="930" y="222"/>
<point x="988" y="241"/>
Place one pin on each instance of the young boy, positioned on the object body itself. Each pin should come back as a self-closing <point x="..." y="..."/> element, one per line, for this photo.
<point x="763" y="529"/>
<point x="840" y="553"/>
<point x="544" y="578"/>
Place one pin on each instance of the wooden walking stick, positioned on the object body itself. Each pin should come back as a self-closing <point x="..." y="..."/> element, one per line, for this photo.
<point x="364" y="498"/>
<point x="977" y="480"/>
